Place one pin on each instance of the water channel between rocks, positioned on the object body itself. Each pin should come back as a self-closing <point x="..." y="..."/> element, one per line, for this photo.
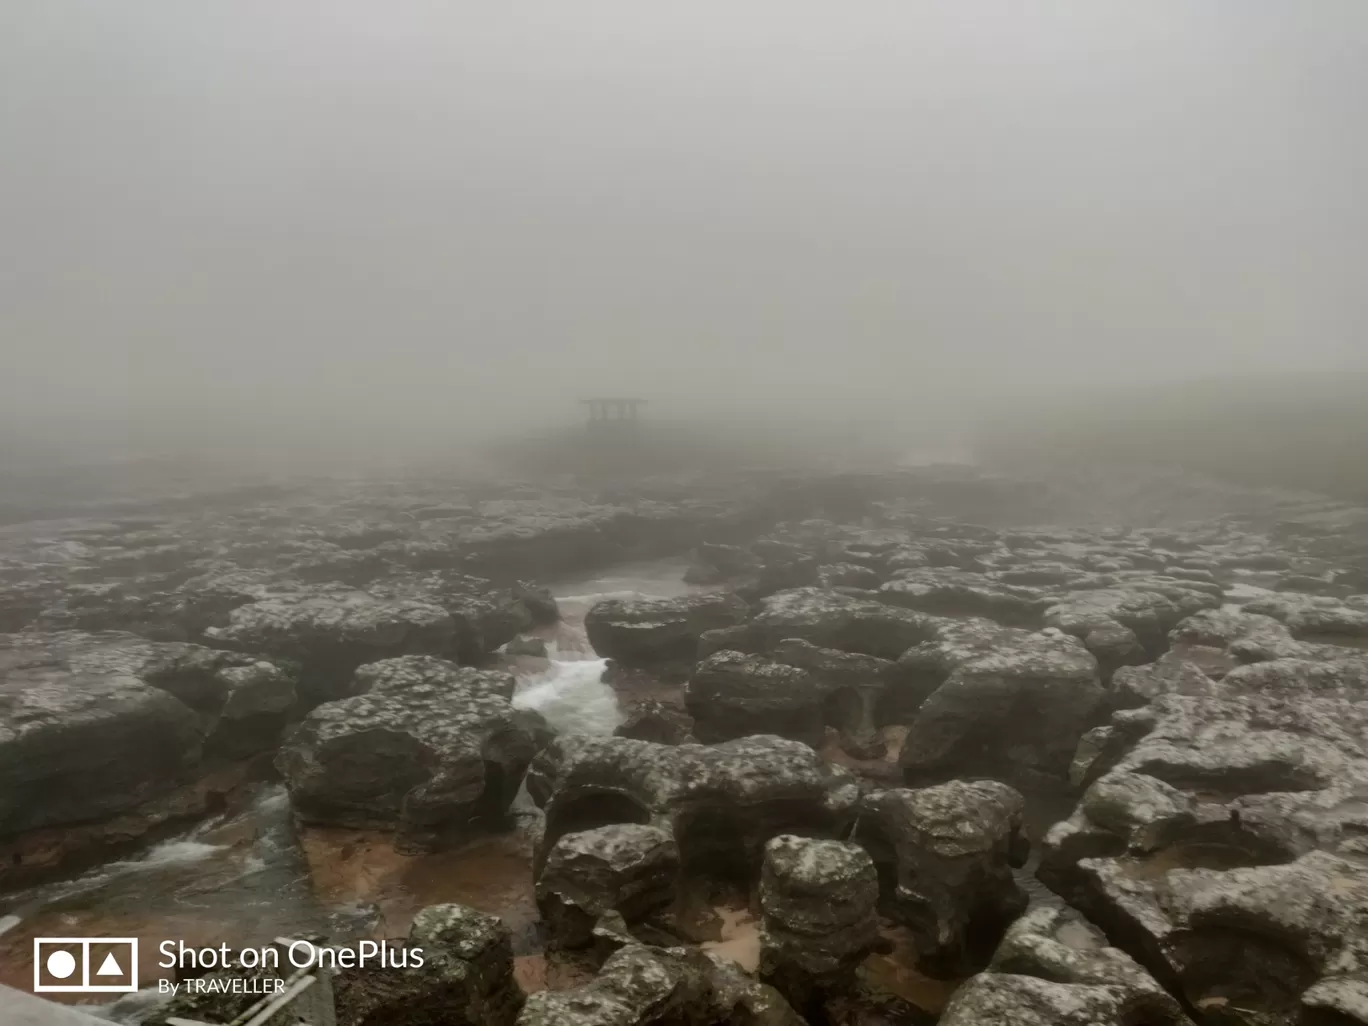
<point x="248" y="876"/>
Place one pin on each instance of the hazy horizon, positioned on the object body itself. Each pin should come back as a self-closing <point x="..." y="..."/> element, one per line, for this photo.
<point x="260" y="224"/>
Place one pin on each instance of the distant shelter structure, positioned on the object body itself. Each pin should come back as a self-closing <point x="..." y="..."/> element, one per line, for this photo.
<point x="613" y="413"/>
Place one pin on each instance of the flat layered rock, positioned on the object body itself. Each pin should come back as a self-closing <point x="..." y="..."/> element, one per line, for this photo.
<point x="332" y="632"/>
<point x="426" y="749"/>
<point x="1053" y="968"/>
<point x="627" y="868"/>
<point x="93" y="725"/>
<point x="647" y="632"/>
<point x="946" y="856"/>
<point x="646" y="986"/>
<point x="832" y="619"/>
<point x="733" y="694"/>
<point x="720" y="803"/>
<point x="1016" y="711"/>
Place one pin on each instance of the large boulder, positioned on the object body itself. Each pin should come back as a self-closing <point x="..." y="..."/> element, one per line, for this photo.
<point x="1111" y="621"/>
<point x="646" y="986"/>
<point x="626" y="868"/>
<point x="945" y="856"/>
<point x="651" y="632"/>
<point x="818" y="899"/>
<point x="331" y="633"/>
<point x="731" y="695"/>
<point x="949" y="591"/>
<point x="466" y="978"/>
<point x="1215" y="831"/>
<point x="1053" y="968"/>
<point x="834" y="619"/>
<point x="720" y="803"/>
<point x="426" y="749"/>
<point x="1015" y="711"/>
<point x="1318" y="617"/>
<point x="79" y="745"/>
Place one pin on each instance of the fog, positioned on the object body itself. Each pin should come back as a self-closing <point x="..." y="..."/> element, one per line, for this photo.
<point x="280" y="226"/>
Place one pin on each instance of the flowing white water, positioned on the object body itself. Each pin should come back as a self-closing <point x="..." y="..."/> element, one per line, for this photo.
<point x="243" y="878"/>
<point x="572" y="697"/>
<point x="570" y="691"/>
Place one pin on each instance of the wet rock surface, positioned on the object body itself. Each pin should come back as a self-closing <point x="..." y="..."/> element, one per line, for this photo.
<point x="627" y="868"/>
<point x="734" y="694"/>
<point x="643" y="985"/>
<point x="647" y="632"/>
<point x="720" y="803"/>
<point x="818" y="899"/>
<point x="1055" y="969"/>
<point x="945" y="857"/>
<point x="1181" y="662"/>
<point x="426" y="748"/>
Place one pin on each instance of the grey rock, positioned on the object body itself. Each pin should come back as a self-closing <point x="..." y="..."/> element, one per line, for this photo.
<point x="645" y="986"/>
<point x="945" y="856"/>
<point x="720" y="803"/>
<point x="425" y="749"/>
<point x="466" y="978"/>
<point x="627" y="868"/>
<point x="645" y="632"/>
<point x="330" y="634"/>
<point x="818" y="899"/>
<point x="1016" y="711"/>
<point x="833" y="619"/>
<point x="1053" y="968"/>
<point x="731" y="695"/>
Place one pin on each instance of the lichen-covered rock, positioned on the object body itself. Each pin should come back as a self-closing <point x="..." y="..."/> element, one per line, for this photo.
<point x="854" y="686"/>
<point x="1015" y="711"/>
<point x="466" y="978"/>
<point x="945" y="856"/>
<point x="626" y="867"/>
<point x="92" y="725"/>
<point x="1253" y="945"/>
<point x="731" y="694"/>
<point x="1148" y="609"/>
<point x="950" y="591"/>
<point x="426" y="749"/>
<point x="1268" y="765"/>
<point x="77" y="746"/>
<point x="1317" y="617"/>
<point x="330" y="634"/>
<point x="721" y="803"/>
<point x="834" y="619"/>
<point x="818" y="899"/>
<point x="645" y="632"/>
<point x="1253" y="786"/>
<point x="645" y="986"/>
<point x="1054" y="969"/>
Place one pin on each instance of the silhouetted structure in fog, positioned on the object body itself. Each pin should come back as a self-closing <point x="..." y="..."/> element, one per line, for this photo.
<point x="612" y="413"/>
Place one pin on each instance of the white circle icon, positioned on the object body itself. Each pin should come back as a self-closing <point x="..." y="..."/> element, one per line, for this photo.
<point x="61" y="964"/>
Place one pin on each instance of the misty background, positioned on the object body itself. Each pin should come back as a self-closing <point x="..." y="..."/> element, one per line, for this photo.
<point x="350" y="229"/>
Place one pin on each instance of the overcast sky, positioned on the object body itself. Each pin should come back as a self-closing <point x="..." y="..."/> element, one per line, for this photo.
<point x="406" y="214"/>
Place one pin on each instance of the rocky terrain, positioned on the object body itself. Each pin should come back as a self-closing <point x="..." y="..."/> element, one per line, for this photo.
<point x="929" y="745"/>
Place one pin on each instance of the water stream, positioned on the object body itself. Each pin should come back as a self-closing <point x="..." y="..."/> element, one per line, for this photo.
<point x="250" y="876"/>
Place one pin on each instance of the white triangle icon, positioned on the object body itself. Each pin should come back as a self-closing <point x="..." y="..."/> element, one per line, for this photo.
<point x="109" y="967"/>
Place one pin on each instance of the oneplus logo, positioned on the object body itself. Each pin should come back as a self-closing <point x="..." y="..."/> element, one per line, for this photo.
<point x="85" y="965"/>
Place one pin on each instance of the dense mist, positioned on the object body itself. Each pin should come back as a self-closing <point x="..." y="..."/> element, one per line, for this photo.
<point x="261" y="228"/>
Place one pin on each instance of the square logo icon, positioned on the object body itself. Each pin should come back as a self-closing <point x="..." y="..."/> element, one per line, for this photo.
<point x="85" y="965"/>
